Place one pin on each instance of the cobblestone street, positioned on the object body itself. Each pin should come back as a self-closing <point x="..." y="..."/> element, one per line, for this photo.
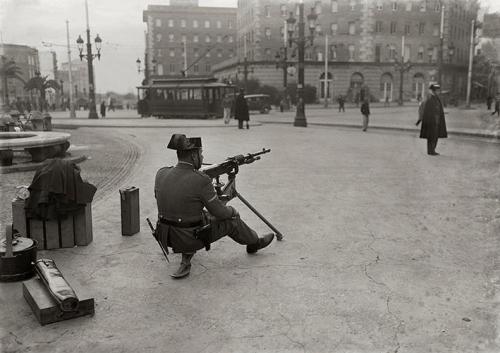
<point x="386" y="249"/>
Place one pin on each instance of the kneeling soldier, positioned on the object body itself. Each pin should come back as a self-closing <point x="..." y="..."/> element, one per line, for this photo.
<point x="182" y="194"/>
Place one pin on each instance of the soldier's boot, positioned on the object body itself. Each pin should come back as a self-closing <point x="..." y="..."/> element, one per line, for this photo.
<point x="184" y="268"/>
<point x="264" y="241"/>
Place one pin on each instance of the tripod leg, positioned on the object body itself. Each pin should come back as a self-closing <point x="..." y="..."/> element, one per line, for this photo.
<point x="279" y="236"/>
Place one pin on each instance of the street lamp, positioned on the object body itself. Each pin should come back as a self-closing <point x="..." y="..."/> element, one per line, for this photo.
<point x="300" y="41"/>
<point x="90" y="57"/>
<point x="281" y="60"/>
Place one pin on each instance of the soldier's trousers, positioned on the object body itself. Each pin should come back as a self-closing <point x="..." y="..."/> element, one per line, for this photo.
<point x="234" y="228"/>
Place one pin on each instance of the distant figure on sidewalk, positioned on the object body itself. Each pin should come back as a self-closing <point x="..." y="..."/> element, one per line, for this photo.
<point x="241" y="109"/>
<point x="497" y="106"/>
<point x="489" y="100"/>
<point x="432" y="119"/>
<point x="227" y="102"/>
<point x="341" y="102"/>
<point x="103" y="109"/>
<point x="386" y="103"/>
<point x="365" y="110"/>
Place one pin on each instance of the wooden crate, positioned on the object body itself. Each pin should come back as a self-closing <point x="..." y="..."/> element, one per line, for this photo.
<point x="54" y="234"/>
<point x="46" y="308"/>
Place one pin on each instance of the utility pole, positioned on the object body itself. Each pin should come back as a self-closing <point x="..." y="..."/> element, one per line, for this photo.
<point x="471" y="56"/>
<point x="441" y="45"/>
<point x="72" y="113"/>
<point x="185" y="58"/>
<point x="325" y="88"/>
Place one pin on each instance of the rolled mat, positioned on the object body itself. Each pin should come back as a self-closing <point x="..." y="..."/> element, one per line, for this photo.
<point x="58" y="288"/>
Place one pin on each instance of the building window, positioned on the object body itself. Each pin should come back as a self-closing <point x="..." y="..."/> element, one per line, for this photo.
<point x="208" y="68"/>
<point x="207" y="24"/>
<point x="172" y="67"/>
<point x="219" y="53"/>
<point x="380" y="6"/>
<point x="333" y="52"/>
<point x="421" y="28"/>
<point x="407" y="53"/>
<point x="378" y="26"/>
<point x="183" y="38"/>
<point x="282" y="31"/>
<point x="196" y="52"/>
<point x="393" y="27"/>
<point x="207" y="39"/>
<point x="283" y="10"/>
<point x="423" y="5"/>
<point x="195" y="23"/>
<point x="208" y="54"/>
<point x="407" y="29"/>
<point x="352" y="28"/>
<point x="158" y="22"/>
<point x="267" y="53"/>
<point x="158" y="37"/>
<point x="159" y="53"/>
<point x="420" y="53"/>
<point x="170" y="23"/>
<point x="195" y="38"/>
<point x="352" y="52"/>
<point x="230" y="39"/>
<point x="170" y="37"/>
<point x="392" y="52"/>
<point x="231" y="53"/>
<point x="230" y="24"/>
<point x="317" y="7"/>
<point x="437" y="6"/>
<point x="219" y="38"/>
<point x="196" y="68"/>
<point x="408" y="6"/>
<point x="435" y="29"/>
<point x="267" y="11"/>
<point x="352" y="5"/>
<point x="268" y="33"/>
<point x="219" y="24"/>
<point x="334" y="6"/>
<point x="333" y="28"/>
<point x="171" y="53"/>
<point x="183" y="23"/>
<point x="394" y="5"/>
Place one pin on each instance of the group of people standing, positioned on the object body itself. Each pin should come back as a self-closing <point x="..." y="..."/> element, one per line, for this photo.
<point x="240" y="108"/>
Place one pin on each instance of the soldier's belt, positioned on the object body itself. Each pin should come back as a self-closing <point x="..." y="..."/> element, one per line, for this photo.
<point x="181" y="224"/>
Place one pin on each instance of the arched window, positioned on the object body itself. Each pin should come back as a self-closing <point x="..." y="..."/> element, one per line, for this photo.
<point x="386" y="84"/>
<point x="357" y="80"/>
<point x="418" y="86"/>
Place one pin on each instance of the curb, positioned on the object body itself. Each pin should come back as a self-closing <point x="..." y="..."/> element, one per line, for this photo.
<point x="73" y="126"/>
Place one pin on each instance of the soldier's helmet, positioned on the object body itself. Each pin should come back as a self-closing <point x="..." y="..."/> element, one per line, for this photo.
<point x="434" y="85"/>
<point x="180" y="142"/>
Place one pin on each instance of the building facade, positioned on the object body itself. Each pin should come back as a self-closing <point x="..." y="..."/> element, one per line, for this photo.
<point x="184" y="35"/>
<point x="365" y="45"/>
<point x="79" y="78"/>
<point x="26" y="58"/>
<point x="48" y="68"/>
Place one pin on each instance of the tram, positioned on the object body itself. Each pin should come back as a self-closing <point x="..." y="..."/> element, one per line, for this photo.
<point x="181" y="98"/>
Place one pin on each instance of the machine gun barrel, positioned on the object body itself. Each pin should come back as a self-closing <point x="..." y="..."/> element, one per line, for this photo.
<point x="231" y="163"/>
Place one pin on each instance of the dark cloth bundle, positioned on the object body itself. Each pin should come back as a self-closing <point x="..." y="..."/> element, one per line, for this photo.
<point x="57" y="190"/>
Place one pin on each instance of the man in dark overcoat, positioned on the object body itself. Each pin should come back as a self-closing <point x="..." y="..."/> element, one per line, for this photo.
<point x="241" y="109"/>
<point x="432" y="118"/>
<point x="182" y="194"/>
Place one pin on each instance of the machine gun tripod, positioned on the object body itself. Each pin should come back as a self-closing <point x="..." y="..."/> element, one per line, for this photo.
<point x="227" y="191"/>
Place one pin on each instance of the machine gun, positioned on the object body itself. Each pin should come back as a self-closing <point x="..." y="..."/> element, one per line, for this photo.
<point x="227" y="191"/>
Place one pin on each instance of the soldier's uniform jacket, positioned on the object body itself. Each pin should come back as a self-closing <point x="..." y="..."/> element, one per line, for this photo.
<point x="182" y="193"/>
<point x="433" y="123"/>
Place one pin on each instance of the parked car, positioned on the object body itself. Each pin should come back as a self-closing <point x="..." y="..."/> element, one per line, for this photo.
<point x="260" y="102"/>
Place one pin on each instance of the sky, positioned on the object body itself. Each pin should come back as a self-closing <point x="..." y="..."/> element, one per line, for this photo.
<point x="118" y="23"/>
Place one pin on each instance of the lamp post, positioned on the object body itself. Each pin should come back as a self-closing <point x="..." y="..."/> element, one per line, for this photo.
<point x="402" y="67"/>
<point x="441" y="47"/>
<point x="300" y="41"/>
<point x="89" y="56"/>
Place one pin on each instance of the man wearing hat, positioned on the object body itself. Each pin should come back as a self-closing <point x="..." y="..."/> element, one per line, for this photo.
<point x="432" y="118"/>
<point x="182" y="194"/>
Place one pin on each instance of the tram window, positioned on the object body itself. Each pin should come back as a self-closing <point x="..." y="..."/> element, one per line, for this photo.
<point x="184" y="95"/>
<point x="197" y="94"/>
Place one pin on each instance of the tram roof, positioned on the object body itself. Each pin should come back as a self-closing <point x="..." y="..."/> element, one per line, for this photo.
<point x="185" y="82"/>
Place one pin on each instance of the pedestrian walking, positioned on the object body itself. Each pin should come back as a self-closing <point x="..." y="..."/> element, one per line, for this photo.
<point x="365" y="110"/>
<point x="497" y="106"/>
<point x="432" y="119"/>
<point x="103" y="109"/>
<point x="341" y="102"/>
<point x="489" y="100"/>
<point x="241" y="110"/>
<point x="227" y="102"/>
<point x="183" y="193"/>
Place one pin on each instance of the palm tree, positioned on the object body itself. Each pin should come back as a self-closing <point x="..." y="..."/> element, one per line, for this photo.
<point x="8" y="69"/>
<point x="41" y="84"/>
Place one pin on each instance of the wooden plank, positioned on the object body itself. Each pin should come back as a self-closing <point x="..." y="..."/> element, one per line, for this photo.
<point x="52" y="234"/>
<point x="83" y="226"/>
<point x="19" y="217"/>
<point x="46" y="308"/>
<point x="66" y="232"/>
<point x="36" y="228"/>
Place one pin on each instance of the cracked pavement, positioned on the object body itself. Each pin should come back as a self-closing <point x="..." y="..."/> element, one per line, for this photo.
<point x="385" y="250"/>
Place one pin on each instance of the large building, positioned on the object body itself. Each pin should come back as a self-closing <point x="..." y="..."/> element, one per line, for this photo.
<point x="365" y="40"/>
<point x="48" y="68"/>
<point x="79" y="79"/>
<point x="26" y="58"/>
<point x="184" y="35"/>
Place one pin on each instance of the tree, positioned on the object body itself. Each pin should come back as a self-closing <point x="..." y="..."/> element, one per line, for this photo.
<point x="41" y="84"/>
<point x="8" y="69"/>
